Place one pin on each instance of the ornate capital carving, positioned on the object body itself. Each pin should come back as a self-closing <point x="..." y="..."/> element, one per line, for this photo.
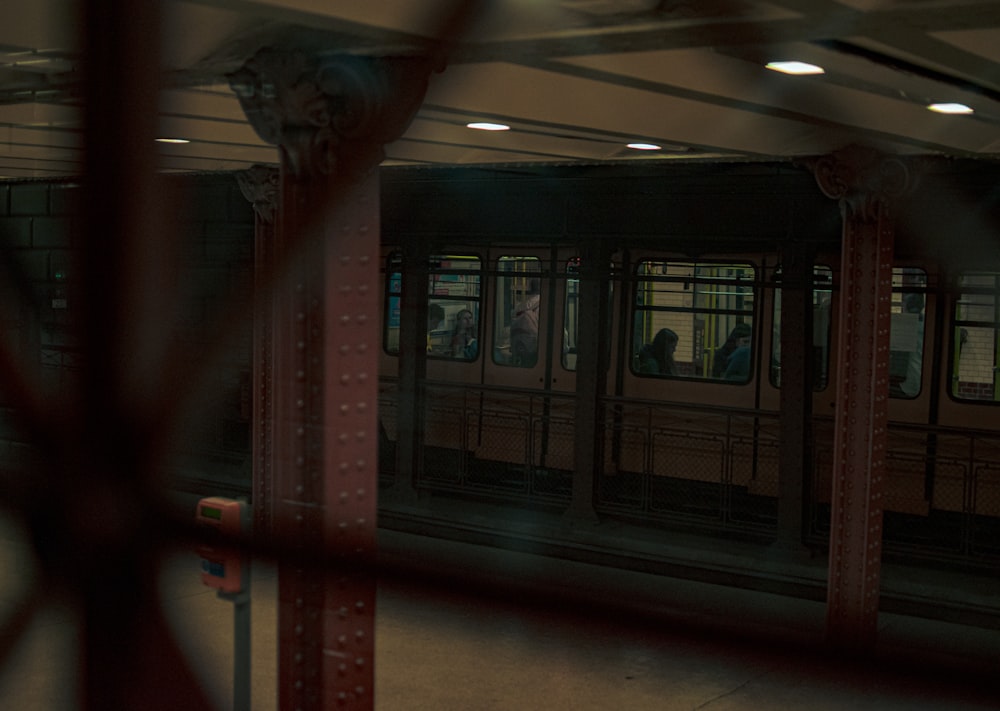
<point x="330" y="112"/>
<point x="259" y="185"/>
<point x="863" y="178"/>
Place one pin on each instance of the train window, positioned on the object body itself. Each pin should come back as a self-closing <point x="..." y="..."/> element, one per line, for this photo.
<point x="906" y="336"/>
<point x="453" y="306"/>
<point x="821" y="300"/>
<point x="686" y="312"/>
<point x="516" y="311"/>
<point x="976" y="330"/>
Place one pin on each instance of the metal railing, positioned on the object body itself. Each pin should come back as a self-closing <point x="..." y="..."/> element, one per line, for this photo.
<point x="706" y="468"/>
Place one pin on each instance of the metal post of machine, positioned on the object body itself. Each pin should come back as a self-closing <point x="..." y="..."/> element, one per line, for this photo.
<point x="225" y="566"/>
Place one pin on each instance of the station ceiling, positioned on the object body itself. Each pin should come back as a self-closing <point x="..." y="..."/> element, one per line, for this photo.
<point x="575" y="80"/>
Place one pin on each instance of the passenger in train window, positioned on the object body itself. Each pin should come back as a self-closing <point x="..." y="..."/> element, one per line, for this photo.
<point x="910" y="385"/>
<point x="738" y="365"/>
<point x="524" y="328"/>
<point x="435" y="317"/>
<point x="739" y="336"/>
<point x="463" y="339"/>
<point x="657" y="358"/>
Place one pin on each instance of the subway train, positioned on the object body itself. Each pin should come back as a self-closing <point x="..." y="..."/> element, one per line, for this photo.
<point x="686" y="410"/>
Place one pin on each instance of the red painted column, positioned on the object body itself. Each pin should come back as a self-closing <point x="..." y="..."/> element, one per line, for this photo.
<point x="865" y="182"/>
<point x="330" y="117"/>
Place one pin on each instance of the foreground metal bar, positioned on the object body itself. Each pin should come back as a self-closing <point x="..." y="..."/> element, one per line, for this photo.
<point x="865" y="182"/>
<point x="103" y="545"/>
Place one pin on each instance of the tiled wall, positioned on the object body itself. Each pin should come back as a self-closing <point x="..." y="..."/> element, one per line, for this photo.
<point x="214" y="229"/>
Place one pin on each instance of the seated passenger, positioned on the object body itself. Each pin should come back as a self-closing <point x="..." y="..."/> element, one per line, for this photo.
<point x="910" y="385"/>
<point x="658" y="357"/>
<point x="738" y="366"/>
<point x="524" y="329"/>
<point x="463" y="338"/>
<point x="720" y="361"/>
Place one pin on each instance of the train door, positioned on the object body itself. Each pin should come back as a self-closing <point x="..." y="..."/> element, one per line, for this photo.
<point x="452" y="338"/>
<point x="526" y="418"/>
<point x="912" y="400"/>
<point x="966" y="484"/>
<point x="818" y="342"/>
<point x="823" y="306"/>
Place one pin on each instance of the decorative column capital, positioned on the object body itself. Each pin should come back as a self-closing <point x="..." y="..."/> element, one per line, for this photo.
<point x="332" y="112"/>
<point x="863" y="178"/>
<point x="259" y="186"/>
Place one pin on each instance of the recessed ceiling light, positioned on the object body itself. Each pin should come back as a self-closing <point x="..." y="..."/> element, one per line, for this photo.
<point x="794" y="68"/>
<point x="172" y="140"/>
<point x="950" y="108"/>
<point x="487" y="126"/>
<point x="644" y="146"/>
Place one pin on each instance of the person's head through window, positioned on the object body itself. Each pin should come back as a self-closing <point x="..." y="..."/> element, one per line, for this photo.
<point x="664" y="346"/>
<point x="524" y="327"/>
<point x="738" y="337"/>
<point x="463" y="338"/>
<point x="738" y="361"/>
<point x="658" y="357"/>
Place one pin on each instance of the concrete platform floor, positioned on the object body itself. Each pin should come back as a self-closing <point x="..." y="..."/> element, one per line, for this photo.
<point x="470" y="643"/>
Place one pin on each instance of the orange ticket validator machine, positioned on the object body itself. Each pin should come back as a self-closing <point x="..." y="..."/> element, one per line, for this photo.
<point x="222" y="564"/>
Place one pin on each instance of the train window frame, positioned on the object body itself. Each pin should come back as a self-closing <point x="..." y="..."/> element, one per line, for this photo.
<point x="823" y="326"/>
<point x="517" y="310"/>
<point x="452" y="289"/>
<point x="967" y="320"/>
<point x="645" y="322"/>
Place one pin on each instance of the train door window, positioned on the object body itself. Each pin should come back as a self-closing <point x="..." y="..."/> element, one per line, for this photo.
<point x="822" y="298"/>
<point x="571" y="314"/>
<point x="976" y="333"/>
<point x="453" y="287"/>
<point x="685" y="312"/>
<point x="516" y="311"/>
<point x="906" y="336"/>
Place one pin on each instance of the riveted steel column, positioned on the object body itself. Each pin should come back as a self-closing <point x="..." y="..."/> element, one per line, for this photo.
<point x="325" y="469"/>
<point x="330" y="117"/>
<point x="259" y="185"/>
<point x="865" y="183"/>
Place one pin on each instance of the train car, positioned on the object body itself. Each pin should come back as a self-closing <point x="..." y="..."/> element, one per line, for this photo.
<point x="687" y="272"/>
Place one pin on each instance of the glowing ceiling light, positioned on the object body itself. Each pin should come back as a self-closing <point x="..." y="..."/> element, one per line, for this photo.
<point x="950" y="108"/>
<point x="644" y="146"/>
<point x="487" y="126"/>
<point x="794" y="68"/>
<point x="172" y="140"/>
